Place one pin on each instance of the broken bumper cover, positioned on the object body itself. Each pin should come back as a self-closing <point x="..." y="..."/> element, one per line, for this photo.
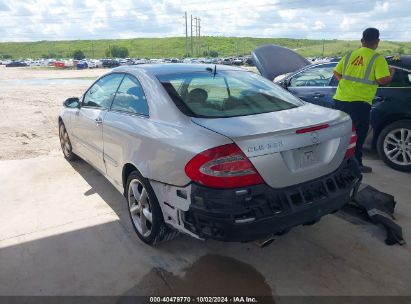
<point x="250" y="213"/>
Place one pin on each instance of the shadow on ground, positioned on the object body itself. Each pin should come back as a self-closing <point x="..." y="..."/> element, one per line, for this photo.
<point x="210" y="275"/>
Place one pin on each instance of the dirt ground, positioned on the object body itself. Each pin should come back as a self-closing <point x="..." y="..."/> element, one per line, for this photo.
<point x="29" y="109"/>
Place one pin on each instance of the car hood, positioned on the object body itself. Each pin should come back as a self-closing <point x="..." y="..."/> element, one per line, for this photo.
<point x="273" y="60"/>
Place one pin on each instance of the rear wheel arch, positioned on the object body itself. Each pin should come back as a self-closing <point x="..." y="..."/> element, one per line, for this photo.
<point x="127" y="169"/>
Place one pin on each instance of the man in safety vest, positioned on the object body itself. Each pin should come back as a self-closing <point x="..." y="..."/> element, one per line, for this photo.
<point x="359" y="73"/>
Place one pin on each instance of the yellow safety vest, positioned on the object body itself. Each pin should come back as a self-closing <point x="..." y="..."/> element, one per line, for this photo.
<point x="359" y="70"/>
<point x="358" y="60"/>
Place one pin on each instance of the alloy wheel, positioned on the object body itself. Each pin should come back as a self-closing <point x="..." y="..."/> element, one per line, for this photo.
<point x="140" y="207"/>
<point x="397" y="146"/>
<point x="65" y="141"/>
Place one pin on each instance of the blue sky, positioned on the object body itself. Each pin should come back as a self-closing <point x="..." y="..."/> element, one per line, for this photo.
<point x="33" y="20"/>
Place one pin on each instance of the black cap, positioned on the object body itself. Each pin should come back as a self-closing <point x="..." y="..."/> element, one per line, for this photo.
<point x="370" y="34"/>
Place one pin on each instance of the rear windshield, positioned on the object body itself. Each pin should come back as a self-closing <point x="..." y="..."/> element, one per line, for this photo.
<point x="226" y="94"/>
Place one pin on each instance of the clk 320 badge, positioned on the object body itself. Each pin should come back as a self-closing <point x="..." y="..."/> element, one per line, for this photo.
<point x="269" y="146"/>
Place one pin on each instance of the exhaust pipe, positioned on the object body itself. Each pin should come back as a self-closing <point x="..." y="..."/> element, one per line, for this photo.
<point x="265" y="242"/>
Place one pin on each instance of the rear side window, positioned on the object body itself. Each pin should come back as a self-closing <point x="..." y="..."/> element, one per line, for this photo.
<point x="226" y="94"/>
<point x="130" y="97"/>
<point x="314" y="77"/>
<point x="102" y="92"/>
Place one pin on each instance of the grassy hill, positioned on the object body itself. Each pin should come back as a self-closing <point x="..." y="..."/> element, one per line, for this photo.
<point x="175" y="47"/>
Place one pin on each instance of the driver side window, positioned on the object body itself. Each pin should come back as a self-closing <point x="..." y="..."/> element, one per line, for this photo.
<point x="102" y="92"/>
<point x="401" y="79"/>
<point x="314" y="77"/>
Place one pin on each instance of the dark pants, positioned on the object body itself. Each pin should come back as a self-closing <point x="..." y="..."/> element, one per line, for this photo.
<point x="359" y="112"/>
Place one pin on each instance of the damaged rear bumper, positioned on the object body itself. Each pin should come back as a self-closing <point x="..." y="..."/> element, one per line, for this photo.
<point x="250" y="213"/>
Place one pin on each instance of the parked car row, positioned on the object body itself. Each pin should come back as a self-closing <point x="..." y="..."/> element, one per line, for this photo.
<point x="114" y="62"/>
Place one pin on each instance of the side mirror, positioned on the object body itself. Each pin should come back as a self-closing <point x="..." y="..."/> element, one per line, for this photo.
<point x="72" y="102"/>
<point x="284" y="83"/>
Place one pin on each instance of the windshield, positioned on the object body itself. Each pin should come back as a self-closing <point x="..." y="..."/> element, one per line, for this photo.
<point x="226" y="94"/>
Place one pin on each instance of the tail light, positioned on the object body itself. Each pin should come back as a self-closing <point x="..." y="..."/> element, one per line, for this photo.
<point x="223" y="167"/>
<point x="351" y="146"/>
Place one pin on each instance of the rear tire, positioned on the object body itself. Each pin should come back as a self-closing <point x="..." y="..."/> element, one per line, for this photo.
<point x="145" y="212"/>
<point x="65" y="143"/>
<point x="394" y="145"/>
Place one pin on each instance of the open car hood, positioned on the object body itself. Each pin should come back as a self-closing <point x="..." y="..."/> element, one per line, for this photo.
<point x="273" y="60"/>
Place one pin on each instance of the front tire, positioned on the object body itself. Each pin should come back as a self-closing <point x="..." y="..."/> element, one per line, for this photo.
<point x="394" y="145"/>
<point x="65" y="143"/>
<point x="145" y="212"/>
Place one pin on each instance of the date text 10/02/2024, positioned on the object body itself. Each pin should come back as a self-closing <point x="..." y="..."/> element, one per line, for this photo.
<point x="172" y="299"/>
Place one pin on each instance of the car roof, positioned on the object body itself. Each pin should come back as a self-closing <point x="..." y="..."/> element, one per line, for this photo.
<point x="175" y="68"/>
<point x="403" y="61"/>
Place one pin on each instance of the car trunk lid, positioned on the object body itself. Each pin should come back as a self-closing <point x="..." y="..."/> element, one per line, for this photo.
<point x="282" y="145"/>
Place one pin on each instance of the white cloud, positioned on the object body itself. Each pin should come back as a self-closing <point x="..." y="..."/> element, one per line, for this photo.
<point x="382" y="6"/>
<point x="318" y="25"/>
<point x="96" y="19"/>
<point x="288" y="14"/>
<point x="347" y="22"/>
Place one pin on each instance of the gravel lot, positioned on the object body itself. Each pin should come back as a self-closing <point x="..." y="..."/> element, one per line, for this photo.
<point x="30" y="100"/>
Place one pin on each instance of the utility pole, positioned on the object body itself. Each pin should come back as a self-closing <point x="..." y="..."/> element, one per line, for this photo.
<point x="196" y="19"/>
<point x="186" y="53"/>
<point x="191" y="36"/>
<point x="199" y="37"/>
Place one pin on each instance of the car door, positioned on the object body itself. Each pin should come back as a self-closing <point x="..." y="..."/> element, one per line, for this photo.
<point x="397" y="88"/>
<point x="87" y="122"/>
<point x="315" y="84"/>
<point x="393" y="100"/>
<point x="125" y="126"/>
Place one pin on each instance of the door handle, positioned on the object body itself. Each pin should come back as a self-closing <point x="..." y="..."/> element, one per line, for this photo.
<point x="99" y="121"/>
<point x="378" y="99"/>
<point x="317" y="95"/>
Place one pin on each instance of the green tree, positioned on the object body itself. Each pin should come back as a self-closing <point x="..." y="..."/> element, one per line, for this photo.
<point x="210" y="53"/>
<point x="119" y="51"/>
<point x="400" y="50"/>
<point x="7" y="56"/>
<point x="78" y="55"/>
<point x="213" y="53"/>
<point x="48" y="56"/>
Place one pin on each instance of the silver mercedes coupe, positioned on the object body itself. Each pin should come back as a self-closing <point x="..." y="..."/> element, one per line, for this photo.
<point x="211" y="151"/>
